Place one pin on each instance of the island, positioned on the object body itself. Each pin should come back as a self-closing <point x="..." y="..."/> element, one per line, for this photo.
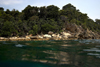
<point x="47" y="23"/>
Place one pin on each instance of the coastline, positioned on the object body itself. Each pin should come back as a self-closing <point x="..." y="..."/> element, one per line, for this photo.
<point x="34" y="39"/>
<point x="54" y="36"/>
<point x="38" y="39"/>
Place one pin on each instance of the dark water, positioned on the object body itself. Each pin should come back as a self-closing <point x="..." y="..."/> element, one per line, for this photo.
<point x="68" y="53"/>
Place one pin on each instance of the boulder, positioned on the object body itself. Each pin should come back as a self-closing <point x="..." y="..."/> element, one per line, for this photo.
<point x="47" y="36"/>
<point x="88" y="34"/>
<point x="40" y="37"/>
<point x="58" y="35"/>
<point x="27" y="37"/>
<point x="2" y="38"/>
<point x="50" y="32"/>
<point x="13" y="38"/>
<point x="73" y="27"/>
<point x="65" y="34"/>
<point x="34" y="37"/>
<point x="54" y="35"/>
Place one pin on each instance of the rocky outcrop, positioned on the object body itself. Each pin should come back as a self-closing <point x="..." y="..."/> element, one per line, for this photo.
<point x="79" y="33"/>
<point x="65" y="35"/>
<point x="73" y="28"/>
<point x="88" y="35"/>
<point x="71" y="31"/>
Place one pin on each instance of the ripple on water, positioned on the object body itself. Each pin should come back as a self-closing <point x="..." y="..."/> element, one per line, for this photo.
<point x="93" y="54"/>
<point x="90" y="41"/>
<point x="19" y="45"/>
<point x="95" y="51"/>
<point x="92" y="49"/>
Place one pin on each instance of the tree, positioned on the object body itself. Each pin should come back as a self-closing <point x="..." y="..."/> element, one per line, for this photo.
<point x="52" y="12"/>
<point x="30" y="11"/>
<point x="1" y="9"/>
<point x="34" y="31"/>
<point x="8" y="29"/>
<point x="97" y="21"/>
<point x="7" y="11"/>
<point x="69" y="7"/>
<point x="43" y="12"/>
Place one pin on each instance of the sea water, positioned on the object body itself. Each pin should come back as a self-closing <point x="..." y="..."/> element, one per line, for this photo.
<point x="61" y="53"/>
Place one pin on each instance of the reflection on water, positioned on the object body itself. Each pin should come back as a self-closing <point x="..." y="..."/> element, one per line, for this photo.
<point x="71" y="53"/>
<point x="19" y="45"/>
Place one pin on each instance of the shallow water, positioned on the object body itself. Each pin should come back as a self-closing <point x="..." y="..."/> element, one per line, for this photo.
<point x="66" y="53"/>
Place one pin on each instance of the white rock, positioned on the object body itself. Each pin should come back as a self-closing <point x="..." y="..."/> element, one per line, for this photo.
<point x="54" y="35"/>
<point x="13" y="38"/>
<point x="2" y="38"/>
<point x="60" y="37"/>
<point x="47" y="36"/>
<point x="40" y="36"/>
<point x="27" y="37"/>
<point x="57" y="35"/>
<point x="66" y="34"/>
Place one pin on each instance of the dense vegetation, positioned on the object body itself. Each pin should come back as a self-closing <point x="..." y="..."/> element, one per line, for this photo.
<point x="35" y="20"/>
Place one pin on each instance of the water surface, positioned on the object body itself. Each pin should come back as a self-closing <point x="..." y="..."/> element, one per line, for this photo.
<point x="66" y="53"/>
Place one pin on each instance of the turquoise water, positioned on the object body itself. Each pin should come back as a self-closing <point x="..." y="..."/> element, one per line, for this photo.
<point x="66" y="53"/>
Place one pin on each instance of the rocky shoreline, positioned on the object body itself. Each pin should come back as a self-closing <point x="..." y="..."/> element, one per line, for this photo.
<point x="70" y="32"/>
<point x="54" y="36"/>
<point x="49" y="36"/>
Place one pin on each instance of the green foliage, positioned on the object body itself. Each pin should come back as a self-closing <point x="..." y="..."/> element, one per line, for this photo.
<point x="47" y="27"/>
<point x="30" y="11"/>
<point x="34" y="20"/>
<point x="8" y="29"/>
<point x="1" y="9"/>
<point x="52" y="12"/>
<point x="43" y="12"/>
<point x="31" y="32"/>
<point x="35" y="29"/>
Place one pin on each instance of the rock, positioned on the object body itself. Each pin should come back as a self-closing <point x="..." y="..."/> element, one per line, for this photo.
<point x="58" y="35"/>
<point x="80" y="33"/>
<point x="73" y="28"/>
<point x="54" y="35"/>
<point x="34" y="37"/>
<point x="40" y="37"/>
<point x="88" y="34"/>
<point x="27" y="37"/>
<point x="65" y="34"/>
<point x="2" y="38"/>
<point x="13" y="38"/>
<point x="30" y="35"/>
<point x="47" y="36"/>
<point x="50" y="32"/>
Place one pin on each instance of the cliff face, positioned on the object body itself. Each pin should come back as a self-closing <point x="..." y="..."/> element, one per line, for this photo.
<point x="80" y="33"/>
